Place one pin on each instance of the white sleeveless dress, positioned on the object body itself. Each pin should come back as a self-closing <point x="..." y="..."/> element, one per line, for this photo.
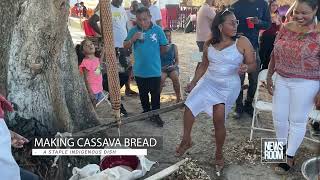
<point x="220" y="84"/>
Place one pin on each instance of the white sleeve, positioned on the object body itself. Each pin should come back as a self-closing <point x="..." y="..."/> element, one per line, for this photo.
<point x="157" y="14"/>
<point x="211" y="13"/>
<point x="125" y="15"/>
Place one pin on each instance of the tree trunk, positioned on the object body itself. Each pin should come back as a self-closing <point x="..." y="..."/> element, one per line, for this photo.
<point x="35" y="32"/>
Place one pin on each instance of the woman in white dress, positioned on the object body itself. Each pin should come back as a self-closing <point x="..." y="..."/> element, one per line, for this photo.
<point x="216" y="84"/>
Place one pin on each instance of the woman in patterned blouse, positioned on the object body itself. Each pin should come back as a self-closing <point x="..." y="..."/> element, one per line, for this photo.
<point x="296" y="61"/>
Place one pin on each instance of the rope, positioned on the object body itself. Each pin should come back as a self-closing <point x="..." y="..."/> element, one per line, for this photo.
<point x="112" y="68"/>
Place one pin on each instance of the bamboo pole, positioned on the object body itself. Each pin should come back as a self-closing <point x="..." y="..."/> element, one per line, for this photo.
<point x="112" y="68"/>
<point x="128" y="120"/>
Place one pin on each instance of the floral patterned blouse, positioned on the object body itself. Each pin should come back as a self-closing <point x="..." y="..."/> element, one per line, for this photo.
<point x="297" y="55"/>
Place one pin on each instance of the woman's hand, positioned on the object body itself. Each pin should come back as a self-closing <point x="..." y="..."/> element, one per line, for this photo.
<point x="317" y="100"/>
<point x="190" y="86"/>
<point x="17" y="140"/>
<point x="270" y="86"/>
<point x="243" y="68"/>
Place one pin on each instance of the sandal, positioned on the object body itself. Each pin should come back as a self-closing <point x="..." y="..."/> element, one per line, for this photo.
<point x="219" y="167"/>
<point x="284" y="168"/>
<point x="181" y="149"/>
<point x="131" y="93"/>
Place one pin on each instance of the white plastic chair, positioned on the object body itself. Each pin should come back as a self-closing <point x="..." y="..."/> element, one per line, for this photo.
<point x="260" y="105"/>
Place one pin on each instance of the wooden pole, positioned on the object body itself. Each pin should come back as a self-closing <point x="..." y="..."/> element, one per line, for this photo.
<point x="168" y="171"/>
<point x="112" y="67"/>
<point x="128" y="120"/>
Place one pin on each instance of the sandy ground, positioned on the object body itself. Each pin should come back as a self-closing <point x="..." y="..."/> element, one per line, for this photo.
<point x="241" y="164"/>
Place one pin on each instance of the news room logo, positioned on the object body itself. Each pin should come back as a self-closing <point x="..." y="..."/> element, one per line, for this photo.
<point x="272" y="150"/>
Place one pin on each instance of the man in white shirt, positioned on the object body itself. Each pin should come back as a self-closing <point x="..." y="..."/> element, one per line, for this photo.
<point x="132" y="15"/>
<point x="154" y="10"/>
<point x="119" y="22"/>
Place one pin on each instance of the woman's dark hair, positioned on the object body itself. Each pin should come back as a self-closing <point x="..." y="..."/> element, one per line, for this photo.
<point x="219" y="19"/>
<point x="81" y="55"/>
<point x="313" y="4"/>
<point x="270" y="2"/>
<point x="143" y="10"/>
<point x="79" y="51"/>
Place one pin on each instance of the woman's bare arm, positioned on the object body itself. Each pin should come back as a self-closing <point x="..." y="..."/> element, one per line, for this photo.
<point x="248" y="53"/>
<point x="203" y="65"/>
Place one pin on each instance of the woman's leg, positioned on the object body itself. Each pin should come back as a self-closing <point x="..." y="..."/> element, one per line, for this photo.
<point x="220" y="131"/>
<point x="176" y="84"/>
<point x="280" y="109"/>
<point x="262" y="51"/>
<point x="188" y="120"/>
<point x="302" y="94"/>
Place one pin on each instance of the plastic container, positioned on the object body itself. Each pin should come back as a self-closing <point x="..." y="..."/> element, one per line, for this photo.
<point x="249" y="22"/>
<point x="113" y="161"/>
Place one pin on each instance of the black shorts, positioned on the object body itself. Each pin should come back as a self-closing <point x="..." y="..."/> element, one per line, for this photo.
<point x="169" y="69"/>
<point x="200" y="45"/>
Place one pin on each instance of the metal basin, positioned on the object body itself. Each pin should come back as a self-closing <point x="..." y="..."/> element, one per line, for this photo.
<point x="311" y="169"/>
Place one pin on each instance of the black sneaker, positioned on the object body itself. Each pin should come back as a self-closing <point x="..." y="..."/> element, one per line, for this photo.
<point x="123" y="111"/>
<point x="157" y="119"/>
<point x="237" y="115"/>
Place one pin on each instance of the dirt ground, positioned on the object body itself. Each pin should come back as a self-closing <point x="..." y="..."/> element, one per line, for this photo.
<point x="241" y="163"/>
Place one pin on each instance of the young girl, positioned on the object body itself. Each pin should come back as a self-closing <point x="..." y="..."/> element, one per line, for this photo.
<point x="90" y="67"/>
<point x="169" y="64"/>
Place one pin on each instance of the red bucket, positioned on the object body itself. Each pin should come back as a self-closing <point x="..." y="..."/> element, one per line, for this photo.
<point x="114" y="161"/>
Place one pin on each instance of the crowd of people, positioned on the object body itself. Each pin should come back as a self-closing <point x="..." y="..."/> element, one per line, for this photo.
<point x="80" y="10"/>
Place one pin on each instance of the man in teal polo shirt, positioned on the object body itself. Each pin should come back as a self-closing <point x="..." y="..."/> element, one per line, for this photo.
<point x="148" y="41"/>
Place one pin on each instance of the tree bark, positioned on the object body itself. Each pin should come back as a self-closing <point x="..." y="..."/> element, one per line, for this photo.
<point x="36" y="32"/>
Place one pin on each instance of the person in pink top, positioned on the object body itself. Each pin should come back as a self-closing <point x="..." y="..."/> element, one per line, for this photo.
<point x="205" y="16"/>
<point x="91" y="69"/>
<point x="296" y="61"/>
